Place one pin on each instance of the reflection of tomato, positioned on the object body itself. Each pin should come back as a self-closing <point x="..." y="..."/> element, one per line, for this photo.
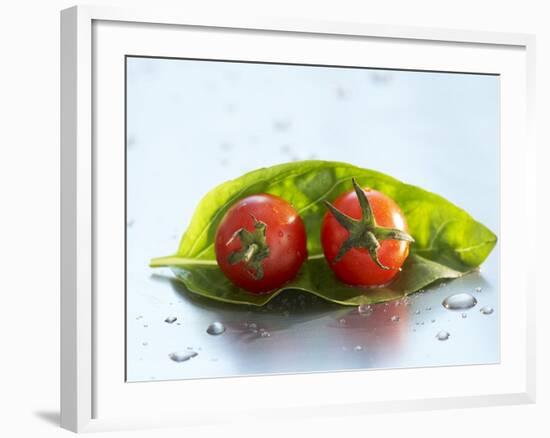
<point x="261" y="243"/>
<point x="385" y="329"/>
<point x="364" y="237"/>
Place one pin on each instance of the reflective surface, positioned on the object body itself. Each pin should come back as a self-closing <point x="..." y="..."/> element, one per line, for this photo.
<point x="192" y="125"/>
<point x="300" y="333"/>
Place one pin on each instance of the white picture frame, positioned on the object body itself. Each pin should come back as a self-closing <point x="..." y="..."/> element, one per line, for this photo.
<point x="93" y="396"/>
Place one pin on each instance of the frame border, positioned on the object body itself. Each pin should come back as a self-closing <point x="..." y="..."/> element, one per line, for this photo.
<point x="77" y="197"/>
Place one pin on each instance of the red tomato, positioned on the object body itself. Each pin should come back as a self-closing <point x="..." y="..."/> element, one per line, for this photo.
<point x="261" y="243"/>
<point x="364" y="237"/>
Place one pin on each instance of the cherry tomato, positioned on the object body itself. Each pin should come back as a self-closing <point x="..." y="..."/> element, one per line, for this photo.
<point x="364" y="237"/>
<point x="261" y="243"/>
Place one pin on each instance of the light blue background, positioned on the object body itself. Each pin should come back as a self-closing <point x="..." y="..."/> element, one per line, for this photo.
<point x="194" y="124"/>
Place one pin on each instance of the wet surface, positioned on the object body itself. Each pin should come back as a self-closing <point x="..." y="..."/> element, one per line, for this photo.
<point x="298" y="332"/>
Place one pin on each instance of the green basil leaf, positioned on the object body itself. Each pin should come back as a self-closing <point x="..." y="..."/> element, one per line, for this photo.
<point x="448" y="241"/>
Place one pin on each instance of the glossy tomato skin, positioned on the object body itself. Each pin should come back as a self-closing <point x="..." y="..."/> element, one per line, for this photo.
<point x="356" y="267"/>
<point x="285" y="237"/>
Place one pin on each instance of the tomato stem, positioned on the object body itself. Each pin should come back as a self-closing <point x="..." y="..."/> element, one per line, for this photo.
<point x="364" y="233"/>
<point x="249" y="253"/>
<point x="254" y="248"/>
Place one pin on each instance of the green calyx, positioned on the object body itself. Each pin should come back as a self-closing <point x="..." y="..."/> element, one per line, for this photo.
<point x="253" y="250"/>
<point x="364" y="233"/>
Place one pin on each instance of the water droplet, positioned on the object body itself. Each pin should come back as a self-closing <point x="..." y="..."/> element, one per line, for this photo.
<point x="285" y="149"/>
<point x="170" y="319"/>
<point x="281" y="125"/>
<point x="145" y="344"/>
<point x="145" y="325"/>
<point x="139" y="317"/>
<point x="225" y="146"/>
<point x="341" y="93"/>
<point x="433" y="320"/>
<point x="265" y="334"/>
<point x="252" y="325"/>
<point x="182" y="356"/>
<point x="417" y="312"/>
<point x="443" y="335"/>
<point x="428" y="308"/>
<point x="478" y="289"/>
<point x="486" y="310"/>
<point x="380" y="79"/>
<point x="395" y="318"/>
<point x="216" y="328"/>
<point x="342" y="321"/>
<point x="358" y="348"/>
<point x="459" y="301"/>
<point x="130" y="223"/>
<point x="464" y="315"/>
